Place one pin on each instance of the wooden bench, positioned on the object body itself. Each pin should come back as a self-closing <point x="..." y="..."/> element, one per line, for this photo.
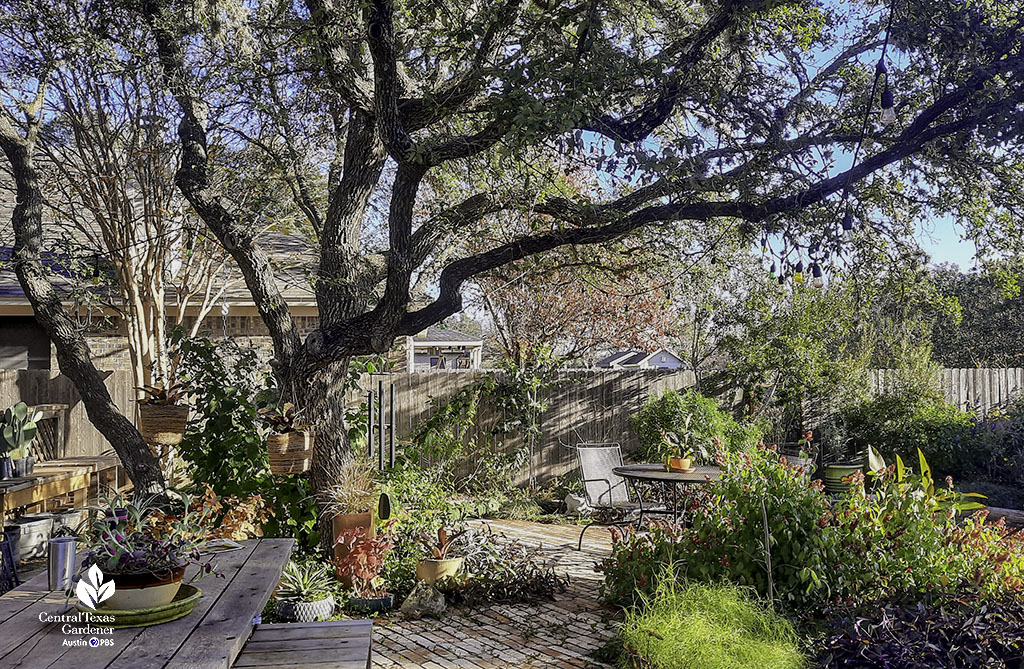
<point x="75" y="478"/>
<point x="343" y="644"/>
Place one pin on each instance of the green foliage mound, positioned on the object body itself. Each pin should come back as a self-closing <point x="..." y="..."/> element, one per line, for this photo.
<point x="699" y="626"/>
<point x="709" y="427"/>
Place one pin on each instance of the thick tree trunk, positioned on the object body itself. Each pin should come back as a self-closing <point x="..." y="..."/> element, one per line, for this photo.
<point x="322" y="397"/>
<point x="72" y="350"/>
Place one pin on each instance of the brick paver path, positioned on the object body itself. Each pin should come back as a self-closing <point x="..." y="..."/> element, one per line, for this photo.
<point x="559" y="633"/>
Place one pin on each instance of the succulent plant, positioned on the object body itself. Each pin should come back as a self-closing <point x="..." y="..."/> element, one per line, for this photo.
<point x="19" y="428"/>
<point x="306" y="582"/>
<point x="442" y="545"/>
<point x="163" y="395"/>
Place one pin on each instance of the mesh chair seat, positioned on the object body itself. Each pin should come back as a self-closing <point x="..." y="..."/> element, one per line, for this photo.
<point x="603" y="487"/>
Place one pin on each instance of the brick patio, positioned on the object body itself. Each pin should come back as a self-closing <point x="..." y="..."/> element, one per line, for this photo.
<point x="560" y="633"/>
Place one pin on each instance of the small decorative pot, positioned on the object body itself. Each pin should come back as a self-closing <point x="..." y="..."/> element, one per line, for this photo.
<point x="144" y="591"/>
<point x="19" y="467"/>
<point x="834" y="475"/>
<point x="680" y="464"/>
<point x="6" y="471"/>
<point x="290" y="452"/>
<point x="372" y="604"/>
<point x="431" y="570"/>
<point x="30" y="465"/>
<point x="163" y="424"/>
<point x="298" y="611"/>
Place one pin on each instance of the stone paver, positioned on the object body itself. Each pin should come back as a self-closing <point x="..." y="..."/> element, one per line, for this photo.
<point x="562" y="633"/>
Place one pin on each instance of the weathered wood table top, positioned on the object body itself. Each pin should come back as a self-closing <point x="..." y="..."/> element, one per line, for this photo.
<point x="210" y="637"/>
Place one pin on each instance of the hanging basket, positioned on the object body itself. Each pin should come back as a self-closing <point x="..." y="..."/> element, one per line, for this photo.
<point x="290" y="452"/>
<point x="163" y="424"/>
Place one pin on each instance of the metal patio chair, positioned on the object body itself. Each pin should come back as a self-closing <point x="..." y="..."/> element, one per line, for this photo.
<point x="605" y="490"/>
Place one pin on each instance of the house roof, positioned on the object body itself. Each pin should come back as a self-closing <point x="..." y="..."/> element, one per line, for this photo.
<point x="438" y="335"/>
<point x="632" y="358"/>
<point x="292" y="257"/>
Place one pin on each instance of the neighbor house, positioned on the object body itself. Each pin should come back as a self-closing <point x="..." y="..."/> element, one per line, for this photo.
<point x="660" y="359"/>
<point x="439" y="348"/>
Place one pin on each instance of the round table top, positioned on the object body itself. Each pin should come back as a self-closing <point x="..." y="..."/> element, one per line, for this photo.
<point x="655" y="471"/>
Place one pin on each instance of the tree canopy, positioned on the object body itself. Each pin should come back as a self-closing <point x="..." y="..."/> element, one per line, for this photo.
<point x="403" y="129"/>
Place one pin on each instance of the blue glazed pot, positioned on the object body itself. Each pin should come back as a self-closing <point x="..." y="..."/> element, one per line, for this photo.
<point x="374" y="605"/>
<point x="5" y="468"/>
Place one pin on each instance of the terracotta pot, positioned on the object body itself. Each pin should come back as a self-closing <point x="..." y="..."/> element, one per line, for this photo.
<point x="679" y="464"/>
<point x="163" y="424"/>
<point x="144" y="591"/>
<point x="431" y="570"/>
<point x="290" y="452"/>
<point x="348" y="521"/>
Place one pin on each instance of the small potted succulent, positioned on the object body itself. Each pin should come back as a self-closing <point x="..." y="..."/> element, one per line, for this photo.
<point x="163" y="414"/>
<point x="17" y="431"/>
<point x="360" y="568"/>
<point x="440" y="564"/>
<point x="144" y="551"/>
<point x="306" y="593"/>
<point x="350" y="502"/>
<point x="290" y="442"/>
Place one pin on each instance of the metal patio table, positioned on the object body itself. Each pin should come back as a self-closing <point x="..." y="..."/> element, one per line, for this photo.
<point x="654" y="472"/>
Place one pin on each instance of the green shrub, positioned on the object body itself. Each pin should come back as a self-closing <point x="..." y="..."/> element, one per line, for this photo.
<point x="708" y="627"/>
<point x="223" y="444"/>
<point x="904" y="541"/>
<point x="709" y="426"/>
<point x="900" y="424"/>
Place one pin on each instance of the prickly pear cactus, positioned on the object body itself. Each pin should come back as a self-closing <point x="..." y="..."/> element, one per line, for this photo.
<point x="19" y="428"/>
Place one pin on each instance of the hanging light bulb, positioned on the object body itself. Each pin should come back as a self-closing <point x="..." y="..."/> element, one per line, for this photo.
<point x="95" y="270"/>
<point x="771" y="272"/>
<point x="764" y="245"/>
<point x="848" y="226"/>
<point x="888" y="116"/>
<point x="816" y="273"/>
<point x="798" y="272"/>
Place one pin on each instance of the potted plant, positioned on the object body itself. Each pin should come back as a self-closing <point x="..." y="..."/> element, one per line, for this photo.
<point x="683" y="452"/>
<point x="290" y="443"/>
<point x="306" y="593"/>
<point x="18" y="430"/>
<point x="350" y="502"/>
<point x="163" y="414"/>
<point x="360" y="568"/>
<point x="144" y="552"/>
<point x="440" y="563"/>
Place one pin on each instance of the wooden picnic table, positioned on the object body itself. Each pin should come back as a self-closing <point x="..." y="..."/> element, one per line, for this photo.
<point x="210" y="637"/>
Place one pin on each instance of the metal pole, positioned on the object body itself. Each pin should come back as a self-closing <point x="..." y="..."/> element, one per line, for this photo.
<point x="391" y="427"/>
<point x="380" y="419"/>
<point x="369" y="423"/>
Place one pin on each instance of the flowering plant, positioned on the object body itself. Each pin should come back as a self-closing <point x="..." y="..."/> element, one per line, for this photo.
<point x="124" y="537"/>
<point x="363" y="562"/>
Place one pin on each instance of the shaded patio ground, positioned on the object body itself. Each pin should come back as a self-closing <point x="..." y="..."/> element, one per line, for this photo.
<point x="560" y="633"/>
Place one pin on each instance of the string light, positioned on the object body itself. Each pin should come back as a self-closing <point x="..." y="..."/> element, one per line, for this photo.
<point x="848" y="225"/>
<point x="798" y="272"/>
<point x="818" y="281"/>
<point x="95" y="270"/>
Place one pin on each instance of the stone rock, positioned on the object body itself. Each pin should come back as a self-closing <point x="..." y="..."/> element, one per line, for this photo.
<point x="424" y="600"/>
<point x="576" y="505"/>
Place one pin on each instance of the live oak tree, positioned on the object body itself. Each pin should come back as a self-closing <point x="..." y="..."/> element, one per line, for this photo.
<point x="738" y="112"/>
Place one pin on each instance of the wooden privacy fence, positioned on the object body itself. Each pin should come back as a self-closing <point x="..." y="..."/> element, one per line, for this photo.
<point x="40" y="386"/>
<point x="978" y="390"/>
<point x="583" y="406"/>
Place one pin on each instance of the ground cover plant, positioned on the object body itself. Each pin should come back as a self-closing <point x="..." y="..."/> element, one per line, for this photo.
<point x="697" y="626"/>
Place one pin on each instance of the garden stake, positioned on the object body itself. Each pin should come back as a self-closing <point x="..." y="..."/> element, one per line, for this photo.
<point x="768" y="554"/>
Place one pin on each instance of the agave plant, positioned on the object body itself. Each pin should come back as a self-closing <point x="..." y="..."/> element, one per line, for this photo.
<point x="440" y="546"/>
<point x="19" y="427"/>
<point x="306" y="582"/>
<point x="160" y="394"/>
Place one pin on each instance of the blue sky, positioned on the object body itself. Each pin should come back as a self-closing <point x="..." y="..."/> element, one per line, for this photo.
<point x="940" y="238"/>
